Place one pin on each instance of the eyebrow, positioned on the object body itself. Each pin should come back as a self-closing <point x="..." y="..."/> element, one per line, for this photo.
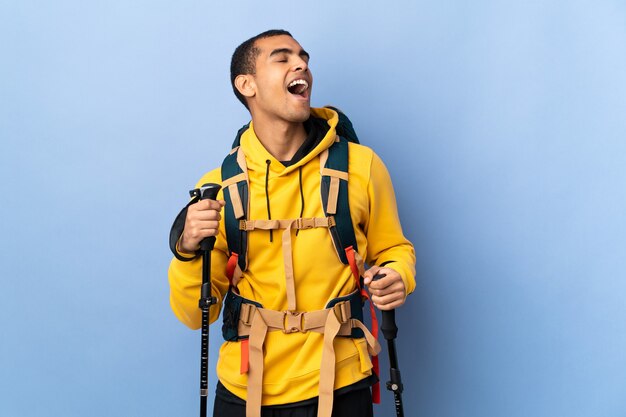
<point x="288" y="51"/>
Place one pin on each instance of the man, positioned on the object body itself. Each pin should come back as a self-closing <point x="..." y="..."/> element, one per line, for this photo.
<point x="292" y="263"/>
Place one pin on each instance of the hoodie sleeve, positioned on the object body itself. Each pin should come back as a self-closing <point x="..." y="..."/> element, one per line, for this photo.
<point x="185" y="278"/>
<point x="386" y="243"/>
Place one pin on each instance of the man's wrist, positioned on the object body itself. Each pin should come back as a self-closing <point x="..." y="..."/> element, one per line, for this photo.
<point x="188" y="256"/>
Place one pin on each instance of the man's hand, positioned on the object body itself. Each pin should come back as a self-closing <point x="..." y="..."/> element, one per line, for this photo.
<point x="388" y="292"/>
<point x="203" y="219"/>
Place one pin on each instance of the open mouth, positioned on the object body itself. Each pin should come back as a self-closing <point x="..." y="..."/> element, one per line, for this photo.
<point x="298" y="87"/>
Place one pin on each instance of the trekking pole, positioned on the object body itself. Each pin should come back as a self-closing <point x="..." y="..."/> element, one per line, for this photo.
<point x="207" y="191"/>
<point x="390" y="332"/>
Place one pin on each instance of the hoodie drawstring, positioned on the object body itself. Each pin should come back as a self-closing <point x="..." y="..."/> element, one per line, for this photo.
<point x="267" y="197"/>
<point x="301" y="195"/>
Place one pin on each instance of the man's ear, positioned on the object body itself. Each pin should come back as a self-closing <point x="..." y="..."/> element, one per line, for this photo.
<point x="245" y="85"/>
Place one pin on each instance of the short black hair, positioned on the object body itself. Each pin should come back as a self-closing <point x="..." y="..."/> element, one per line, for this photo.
<point x="243" y="61"/>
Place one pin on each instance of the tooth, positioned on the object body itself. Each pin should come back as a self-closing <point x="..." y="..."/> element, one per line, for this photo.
<point x="299" y="82"/>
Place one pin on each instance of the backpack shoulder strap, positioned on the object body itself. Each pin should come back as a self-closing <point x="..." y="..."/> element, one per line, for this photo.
<point x="235" y="186"/>
<point x="335" y="198"/>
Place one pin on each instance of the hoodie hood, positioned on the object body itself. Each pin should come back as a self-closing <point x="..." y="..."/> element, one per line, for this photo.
<point x="257" y="156"/>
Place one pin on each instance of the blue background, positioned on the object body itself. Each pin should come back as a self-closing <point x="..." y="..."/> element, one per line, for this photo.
<point x="502" y="124"/>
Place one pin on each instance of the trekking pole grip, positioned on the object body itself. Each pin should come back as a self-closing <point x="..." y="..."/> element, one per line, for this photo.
<point x="388" y="327"/>
<point x="207" y="192"/>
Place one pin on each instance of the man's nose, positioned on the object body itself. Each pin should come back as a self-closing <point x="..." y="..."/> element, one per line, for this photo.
<point x="300" y="65"/>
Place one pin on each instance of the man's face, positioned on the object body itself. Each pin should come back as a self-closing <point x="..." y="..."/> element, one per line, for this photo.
<point x="282" y="81"/>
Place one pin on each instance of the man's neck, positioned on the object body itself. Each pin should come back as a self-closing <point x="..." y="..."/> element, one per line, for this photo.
<point x="282" y="139"/>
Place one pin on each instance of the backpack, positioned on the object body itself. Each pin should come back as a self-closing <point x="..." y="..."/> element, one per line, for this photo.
<point x="335" y="202"/>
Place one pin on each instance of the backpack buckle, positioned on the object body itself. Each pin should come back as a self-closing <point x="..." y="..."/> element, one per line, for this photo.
<point x="247" y="313"/>
<point x="245" y="225"/>
<point x="305" y="223"/>
<point x="342" y="311"/>
<point x="293" y="322"/>
<point x="331" y="221"/>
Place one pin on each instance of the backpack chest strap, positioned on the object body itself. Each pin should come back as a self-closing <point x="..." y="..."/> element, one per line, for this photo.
<point x="299" y="224"/>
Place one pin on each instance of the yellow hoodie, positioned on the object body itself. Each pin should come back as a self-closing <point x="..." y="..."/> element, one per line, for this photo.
<point x="292" y="361"/>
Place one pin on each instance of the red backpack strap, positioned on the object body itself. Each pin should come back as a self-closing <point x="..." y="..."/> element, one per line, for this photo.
<point x="356" y="265"/>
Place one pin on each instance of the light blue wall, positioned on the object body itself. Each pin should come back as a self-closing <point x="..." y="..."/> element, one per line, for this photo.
<point x="503" y="126"/>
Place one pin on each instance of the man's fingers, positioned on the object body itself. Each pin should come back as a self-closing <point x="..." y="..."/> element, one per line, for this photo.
<point x="387" y="292"/>
<point x="395" y="286"/>
<point x="203" y="210"/>
<point x="203" y="220"/>
<point x="390" y="306"/>
<point x="389" y="301"/>
<point x="381" y="283"/>
<point x="207" y="205"/>
<point x="204" y="228"/>
<point x="388" y="278"/>
<point x="203" y="215"/>
<point x="368" y="276"/>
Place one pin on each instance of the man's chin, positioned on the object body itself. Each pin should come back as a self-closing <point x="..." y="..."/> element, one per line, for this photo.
<point x="301" y="114"/>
